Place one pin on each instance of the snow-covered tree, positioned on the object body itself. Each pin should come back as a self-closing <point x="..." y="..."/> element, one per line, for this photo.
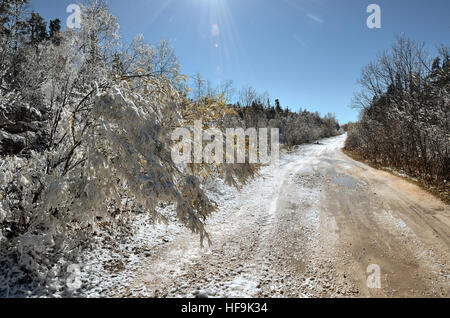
<point x="404" y="120"/>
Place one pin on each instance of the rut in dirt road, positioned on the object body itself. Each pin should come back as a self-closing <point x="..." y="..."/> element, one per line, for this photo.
<point x="311" y="227"/>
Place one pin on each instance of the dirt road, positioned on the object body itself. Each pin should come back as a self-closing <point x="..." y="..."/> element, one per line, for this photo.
<point x="312" y="227"/>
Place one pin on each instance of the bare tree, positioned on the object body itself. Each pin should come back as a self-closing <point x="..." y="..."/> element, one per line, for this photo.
<point x="247" y="95"/>
<point x="398" y="68"/>
<point x="166" y="61"/>
<point x="226" y="89"/>
<point x="199" y="87"/>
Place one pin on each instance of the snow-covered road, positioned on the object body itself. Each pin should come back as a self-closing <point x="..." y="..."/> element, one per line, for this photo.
<point x="306" y="228"/>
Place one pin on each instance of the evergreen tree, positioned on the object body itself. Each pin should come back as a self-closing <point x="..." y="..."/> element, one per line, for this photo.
<point x="37" y="29"/>
<point x="55" y="31"/>
<point x="4" y="18"/>
<point x="18" y="25"/>
<point x="278" y="108"/>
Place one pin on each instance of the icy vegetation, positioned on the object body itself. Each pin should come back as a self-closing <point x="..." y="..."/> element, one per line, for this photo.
<point x="85" y="148"/>
<point x="405" y="114"/>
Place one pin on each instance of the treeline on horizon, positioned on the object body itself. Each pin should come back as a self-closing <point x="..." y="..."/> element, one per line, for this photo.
<point x="295" y="128"/>
<point x="405" y="114"/>
<point x="256" y="110"/>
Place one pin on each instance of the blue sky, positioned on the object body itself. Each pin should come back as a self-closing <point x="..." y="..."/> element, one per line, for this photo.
<point x="307" y="53"/>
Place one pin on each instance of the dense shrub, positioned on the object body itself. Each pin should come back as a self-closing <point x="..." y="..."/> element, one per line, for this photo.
<point x="405" y="112"/>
